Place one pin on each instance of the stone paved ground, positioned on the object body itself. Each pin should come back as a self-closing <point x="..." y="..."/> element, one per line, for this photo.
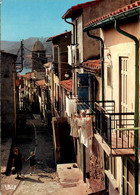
<point x="45" y="180"/>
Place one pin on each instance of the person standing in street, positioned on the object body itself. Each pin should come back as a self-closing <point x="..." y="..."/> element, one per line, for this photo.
<point x="17" y="161"/>
<point x="32" y="160"/>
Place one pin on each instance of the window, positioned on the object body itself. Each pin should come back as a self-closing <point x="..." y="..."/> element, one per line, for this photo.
<point x="55" y="59"/>
<point x="123" y="83"/>
<point x="83" y="89"/>
<point x="128" y="177"/>
<point x="112" y="166"/>
<point x="109" y="76"/>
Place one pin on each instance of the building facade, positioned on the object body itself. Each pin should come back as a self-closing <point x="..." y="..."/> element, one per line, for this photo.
<point x="121" y="85"/>
<point x="8" y="93"/>
<point x="60" y="68"/>
<point x="87" y="48"/>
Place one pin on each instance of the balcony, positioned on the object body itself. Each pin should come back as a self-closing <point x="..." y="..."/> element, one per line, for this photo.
<point x="114" y="131"/>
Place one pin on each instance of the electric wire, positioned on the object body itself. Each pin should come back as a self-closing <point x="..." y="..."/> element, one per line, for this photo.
<point x="83" y="104"/>
<point x="88" y="106"/>
<point x="60" y="68"/>
<point x="43" y="58"/>
<point x="19" y="50"/>
<point x="65" y="51"/>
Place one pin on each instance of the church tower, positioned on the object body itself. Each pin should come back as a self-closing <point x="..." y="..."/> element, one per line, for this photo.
<point x="38" y="56"/>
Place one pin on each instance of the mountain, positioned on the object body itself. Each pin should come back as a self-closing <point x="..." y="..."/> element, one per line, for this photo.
<point x="7" y="45"/>
<point x="13" y="47"/>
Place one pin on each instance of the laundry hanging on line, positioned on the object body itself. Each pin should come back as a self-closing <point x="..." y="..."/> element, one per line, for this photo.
<point x="81" y="127"/>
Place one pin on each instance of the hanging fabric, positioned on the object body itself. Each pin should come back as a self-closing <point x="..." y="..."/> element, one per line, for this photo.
<point x="81" y="126"/>
<point x="74" y="128"/>
<point x="70" y="106"/>
<point x="89" y="127"/>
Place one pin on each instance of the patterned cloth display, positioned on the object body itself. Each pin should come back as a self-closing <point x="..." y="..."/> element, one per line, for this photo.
<point x="82" y="127"/>
<point x="89" y="127"/>
<point x="74" y="128"/>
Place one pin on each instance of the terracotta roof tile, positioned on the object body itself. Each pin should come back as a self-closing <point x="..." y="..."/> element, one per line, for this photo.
<point x="18" y="79"/>
<point x="120" y="10"/>
<point x="40" y="83"/>
<point x="94" y="65"/>
<point x="57" y="36"/>
<point x="17" y="82"/>
<point x="75" y="8"/>
<point x="18" y="75"/>
<point x="28" y="75"/>
<point x="67" y="84"/>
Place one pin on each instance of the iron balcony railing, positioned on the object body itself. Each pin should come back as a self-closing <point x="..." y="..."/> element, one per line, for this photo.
<point x="116" y="129"/>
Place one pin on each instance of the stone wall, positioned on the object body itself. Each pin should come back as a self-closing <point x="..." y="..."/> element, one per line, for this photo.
<point x="96" y="167"/>
<point x="7" y="92"/>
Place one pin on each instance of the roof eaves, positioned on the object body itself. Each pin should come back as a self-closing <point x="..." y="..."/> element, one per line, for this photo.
<point x="68" y="89"/>
<point x="110" y="18"/>
<point x="40" y="83"/>
<point x="57" y="36"/>
<point x="67" y="84"/>
<point x="71" y="11"/>
<point x="4" y="52"/>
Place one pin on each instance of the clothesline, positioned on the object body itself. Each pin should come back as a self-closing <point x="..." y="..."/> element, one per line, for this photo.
<point x="81" y="127"/>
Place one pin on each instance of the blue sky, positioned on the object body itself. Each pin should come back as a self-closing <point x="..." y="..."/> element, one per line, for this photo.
<point x="21" y="19"/>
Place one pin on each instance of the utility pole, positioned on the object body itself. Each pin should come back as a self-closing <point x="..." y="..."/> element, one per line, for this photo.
<point x="14" y="83"/>
<point x="22" y="54"/>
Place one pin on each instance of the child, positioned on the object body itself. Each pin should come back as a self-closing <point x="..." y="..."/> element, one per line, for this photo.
<point x="17" y="161"/>
<point x="32" y="159"/>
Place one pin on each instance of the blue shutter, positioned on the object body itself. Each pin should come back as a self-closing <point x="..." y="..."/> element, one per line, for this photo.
<point x="82" y="91"/>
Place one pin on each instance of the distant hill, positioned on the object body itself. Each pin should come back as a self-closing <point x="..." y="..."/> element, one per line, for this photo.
<point x="7" y="45"/>
<point x="13" y="47"/>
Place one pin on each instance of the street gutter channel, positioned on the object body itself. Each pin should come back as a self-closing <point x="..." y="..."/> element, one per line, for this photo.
<point x="34" y="153"/>
<point x="38" y="162"/>
<point x="35" y="136"/>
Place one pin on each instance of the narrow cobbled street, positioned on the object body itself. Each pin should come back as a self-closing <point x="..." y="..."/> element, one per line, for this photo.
<point x="45" y="181"/>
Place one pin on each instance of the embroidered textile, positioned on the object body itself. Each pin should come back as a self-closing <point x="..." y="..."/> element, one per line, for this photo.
<point x="82" y="128"/>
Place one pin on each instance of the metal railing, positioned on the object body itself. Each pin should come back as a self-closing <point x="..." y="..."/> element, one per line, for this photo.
<point x="116" y="129"/>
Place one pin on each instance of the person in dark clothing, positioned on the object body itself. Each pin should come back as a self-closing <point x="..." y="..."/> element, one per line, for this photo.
<point x="17" y="161"/>
<point x="32" y="160"/>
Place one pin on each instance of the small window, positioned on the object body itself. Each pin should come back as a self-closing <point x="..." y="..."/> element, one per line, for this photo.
<point x="109" y="76"/>
<point x="112" y="166"/>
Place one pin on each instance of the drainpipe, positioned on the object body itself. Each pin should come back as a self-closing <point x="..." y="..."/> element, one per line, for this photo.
<point x="102" y="75"/>
<point x="91" y="92"/>
<point x="136" y="100"/>
<point x="73" y="72"/>
<point x="73" y="30"/>
<point x="102" y="61"/>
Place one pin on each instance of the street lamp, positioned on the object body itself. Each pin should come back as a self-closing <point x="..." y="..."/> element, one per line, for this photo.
<point x="66" y="75"/>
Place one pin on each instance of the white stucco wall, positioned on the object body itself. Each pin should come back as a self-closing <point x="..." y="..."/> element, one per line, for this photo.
<point x="80" y="39"/>
<point x="116" y="46"/>
<point x="119" y="46"/>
